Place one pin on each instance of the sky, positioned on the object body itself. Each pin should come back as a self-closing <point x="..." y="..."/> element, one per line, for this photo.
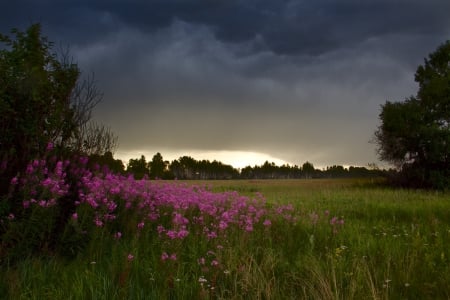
<point x="243" y="81"/>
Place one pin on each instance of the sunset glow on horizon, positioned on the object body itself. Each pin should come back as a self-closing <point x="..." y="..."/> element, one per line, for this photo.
<point x="237" y="159"/>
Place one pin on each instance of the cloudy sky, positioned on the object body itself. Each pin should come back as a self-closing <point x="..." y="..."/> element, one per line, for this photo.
<point x="244" y="81"/>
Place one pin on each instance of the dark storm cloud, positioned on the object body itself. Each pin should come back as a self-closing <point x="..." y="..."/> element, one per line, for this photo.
<point x="292" y="27"/>
<point x="289" y="27"/>
<point x="286" y="27"/>
<point x="299" y="80"/>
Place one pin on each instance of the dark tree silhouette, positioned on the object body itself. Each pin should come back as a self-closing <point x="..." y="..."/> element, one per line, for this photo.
<point x="308" y="170"/>
<point x="42" y="102"/>
<point x="414" y="135"/>
<point x="138" y="167"/>
<point x="157" y="166"/>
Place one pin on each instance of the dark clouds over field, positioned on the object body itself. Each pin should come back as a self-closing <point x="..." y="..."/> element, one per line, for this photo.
<point x="293" y="80"/>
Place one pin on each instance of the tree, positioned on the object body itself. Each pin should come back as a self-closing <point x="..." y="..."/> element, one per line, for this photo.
<point x="414" y="135"/>
<point x="94" y="139"/>
<point x="45" y="112"/>
<point x="308" y="170"/>
<point x="35" y="91"/>
<point x="106" y="161"/>
<point x="157" y="166"/>
<point x="139" y="167"/>
<point x="91" y="138"/>
<point x="42" y="101"/>
<point x="188" y="166"/>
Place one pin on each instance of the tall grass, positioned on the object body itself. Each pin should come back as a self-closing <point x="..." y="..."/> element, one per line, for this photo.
<point x="287" y="239"/>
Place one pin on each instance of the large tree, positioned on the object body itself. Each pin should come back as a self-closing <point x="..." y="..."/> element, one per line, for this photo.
<point x="35" y="91"/>
<point x="414" y="135"/>
<point x="42" y="101"/>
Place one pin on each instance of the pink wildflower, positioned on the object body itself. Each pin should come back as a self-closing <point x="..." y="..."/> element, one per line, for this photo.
<point x="59" y="169"/>
<point x="109" y="217"/>
<point x="172" y="234"/>
<point x="333" y="220"/>
<point x="201" y="261"/>
<point x="51" y="202"/>
<point x="50" y="146"/>
<point x="267" y="222"/>
<point x="14" y="181"/>
<point x="179" y="219"/>
<point x="212" y="235"/>
<point x="223" y="225"/>
<point x="74" y="216"/>
<point x="160" y="229"/>
<point x="130" y="257"/>
<point x="29" y="169"/>
<point x="164" y="256"/>
<point x="84" y="160"/>
<point x="115" y="190"/>
<point x="182" y="233"/>
<point x="141" y="225"/>
<point x="112" y="206"/>
<point x="47" y="182"/>
<point x="98" y="222"/>
<point x="214" y="263"/>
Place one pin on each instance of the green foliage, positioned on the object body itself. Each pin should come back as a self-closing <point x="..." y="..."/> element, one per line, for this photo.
<point x="138" y="167"/>
<point x="32" y="233"/>
<point x="415" y="134"/>
<point x="158" y="167"/>
<point x="43" y="102"/>
<point x="35" y="90"/>
<point x="107" y="160"/>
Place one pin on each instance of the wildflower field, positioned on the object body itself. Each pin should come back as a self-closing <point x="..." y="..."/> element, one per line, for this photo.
<point x="282" y="239"/>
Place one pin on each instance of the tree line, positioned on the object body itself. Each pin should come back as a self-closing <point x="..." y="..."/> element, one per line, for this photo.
<point x="187" y="167"/>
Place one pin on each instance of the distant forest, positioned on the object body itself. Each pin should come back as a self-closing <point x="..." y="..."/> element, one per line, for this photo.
<point x="187" y="167"/>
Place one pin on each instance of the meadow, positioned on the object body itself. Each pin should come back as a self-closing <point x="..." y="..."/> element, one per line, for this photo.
<point x="231" y="239"/>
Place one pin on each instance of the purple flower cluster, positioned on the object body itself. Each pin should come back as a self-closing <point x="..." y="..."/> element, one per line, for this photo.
<point x="43" y="182"/>
<point x="176" y="209"/>
<point x="171" y="211"/>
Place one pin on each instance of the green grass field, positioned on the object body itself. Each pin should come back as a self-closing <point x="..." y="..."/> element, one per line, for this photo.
<point x="394" y="244"/>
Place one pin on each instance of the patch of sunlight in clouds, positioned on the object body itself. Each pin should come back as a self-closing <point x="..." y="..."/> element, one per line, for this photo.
<point x="238" y="159"/>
